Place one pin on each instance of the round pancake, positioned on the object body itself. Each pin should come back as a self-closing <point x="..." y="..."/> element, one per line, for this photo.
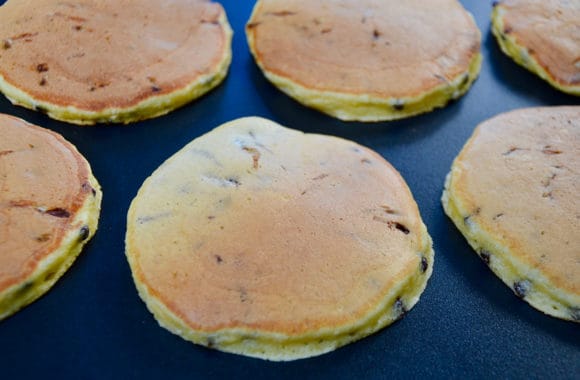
<point x="89" y="62"/>
<point x="49" y="209"/>
<point x="513" y="193"/>
<point x="264" y="241"/>
<point x="366" y="60"/>
<point x="543" y="36"/>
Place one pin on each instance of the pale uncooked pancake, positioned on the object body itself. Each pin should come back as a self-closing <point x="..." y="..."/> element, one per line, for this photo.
<point x="89" y="62"/>
<point x="267" y="242"/>
<point x="49" y="209"/>
<point x="513" y="192"/>
<point x="366" y="60"/>
<point x="542" y="36"/>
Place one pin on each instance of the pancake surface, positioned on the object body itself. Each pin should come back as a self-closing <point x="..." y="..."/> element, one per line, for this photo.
<point x="49" y="208"/>
<point x="264" y="241"/>
<point x="366" y="60"/>
<point x="513" y="192"/>
<point x="89" y="62"/>
<point x="542" y="36"/>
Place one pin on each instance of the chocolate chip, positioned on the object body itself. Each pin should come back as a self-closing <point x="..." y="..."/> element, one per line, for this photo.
<point x="400" y="309"/>
<point x="210" y="342"/>
<point x="521" y="288"/>
<point x="42" y="82"/>
<point x="376" y="34"/>
<point x="78" y="27"/>
<point x="399" y="105"/>
<point x="507" y="30"/>
<point x="42" y="238"/>
<point x="42" y="67"/>
<point x="402" y="228"/>
<point x="24" y="288"/>
<point x="87" y="187"/>
<point x="218" y="259"/>
<point x="6" y="44"/>
<point x="233" y="181"/>
<point x="41" y="109"/>
<point x="155" y="88"/>
<point x="485" y="256"/>
<point x="84" y="233"/>
<point x="424" y="264"/>
<point x="464" y="81"/>
<point x="58" y="212"/>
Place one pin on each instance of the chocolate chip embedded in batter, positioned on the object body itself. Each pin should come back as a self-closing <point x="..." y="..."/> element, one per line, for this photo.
<point x="43" y="238"/>
<point x="42" y="67"/>
<point x="485" y="256"/>
<point x="6" y="44"/>
<point x="521" y="288"/>
<point x="424" y="264"/>
<point x="58" y="212"/>
<point x="399" y="105"/>
<point x="84" y="232"/>
<point x="402" y="228"/>
<point x="399" y="308"/>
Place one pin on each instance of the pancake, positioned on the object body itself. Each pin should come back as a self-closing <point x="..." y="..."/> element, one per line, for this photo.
<point x="366" y="60"/>
<point x="49" y="209"/>
<point x="87" y="62"/>
<point x="543" y="36"/>
<point x="264" y="241"/>
<point x="513" y="193"/>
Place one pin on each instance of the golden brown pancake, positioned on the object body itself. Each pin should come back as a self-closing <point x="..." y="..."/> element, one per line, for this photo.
<point x="89" y="62"/>
<point x="49" y="209"/>
<point x="513" y="192"/>
<point x="542" y="36"/>
<point x="366" y="60"/>
<point x="267" y="242"/>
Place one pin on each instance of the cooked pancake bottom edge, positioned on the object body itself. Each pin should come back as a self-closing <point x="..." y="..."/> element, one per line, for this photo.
<point x="144" y="107"/>
<point x="520" y="54"/>
<point x="278" y="346"/>
<point x="257" y="248"/>
<point x="368" y="108"/>
<point x="56" y="263"/>
<point x="520" y="276"/>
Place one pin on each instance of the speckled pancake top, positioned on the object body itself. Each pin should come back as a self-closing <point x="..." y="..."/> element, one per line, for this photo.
<point x="520" y="176"/>
<point x="43" y="182"/>
<point x="108" y="54"/>
<point x="550" y="30"/>
<point x="382" y="48"/>
<point x="260" y="227"/>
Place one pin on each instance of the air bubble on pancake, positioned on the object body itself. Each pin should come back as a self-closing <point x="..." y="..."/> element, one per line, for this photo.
<point x="521" y="288"/>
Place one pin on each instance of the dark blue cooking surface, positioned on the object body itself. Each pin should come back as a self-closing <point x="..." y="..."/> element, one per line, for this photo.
<point x="92" y="324"/>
